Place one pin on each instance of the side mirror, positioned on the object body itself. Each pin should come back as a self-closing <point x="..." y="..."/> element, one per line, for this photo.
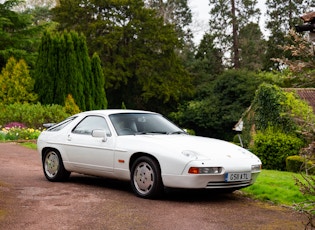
<point x="100" y="133"/>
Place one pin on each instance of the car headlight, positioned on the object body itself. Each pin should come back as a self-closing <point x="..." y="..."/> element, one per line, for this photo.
<point x="256" y="168"/>
<point x="205" y="170"/>
<point x="190" y="154"/>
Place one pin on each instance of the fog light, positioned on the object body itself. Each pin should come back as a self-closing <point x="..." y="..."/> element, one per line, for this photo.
<point x="205" y="170"/>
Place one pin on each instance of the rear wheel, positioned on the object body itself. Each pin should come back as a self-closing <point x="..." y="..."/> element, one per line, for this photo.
<point x="146" y="178"/>
<point x="53" y="166"/>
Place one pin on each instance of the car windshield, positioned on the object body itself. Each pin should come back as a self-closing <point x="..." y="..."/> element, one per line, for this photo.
<point x="143" y="123"/>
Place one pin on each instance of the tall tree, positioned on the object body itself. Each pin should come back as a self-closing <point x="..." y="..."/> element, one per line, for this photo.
<point x="99" y="95"/>
<point x="175" y="12"/>
<point x="208" y="61"/>
<point x="252" y="47"/>
<point x="136" y="48"/>
<point x="282" y="16"/>
<point x="227" y="17"/>
<point x="19" y="37"/>
<point x="63" y="67"/>
<point x="16" y="84"/>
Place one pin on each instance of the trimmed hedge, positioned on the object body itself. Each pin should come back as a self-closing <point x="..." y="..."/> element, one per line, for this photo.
<point x="296" y="164"/>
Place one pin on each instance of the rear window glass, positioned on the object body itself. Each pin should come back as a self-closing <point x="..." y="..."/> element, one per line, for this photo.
<point x="62" y="124"/>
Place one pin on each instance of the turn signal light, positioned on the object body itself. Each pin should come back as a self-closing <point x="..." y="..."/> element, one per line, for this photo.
<point x="205" y="170"/>
<point x="193" y="170"/>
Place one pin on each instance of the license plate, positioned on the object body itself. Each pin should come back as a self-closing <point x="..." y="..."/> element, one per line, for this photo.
<point x="237" y="177"/>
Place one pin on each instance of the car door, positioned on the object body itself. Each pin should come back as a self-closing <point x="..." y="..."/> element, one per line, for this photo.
<point x="88" y="154"/>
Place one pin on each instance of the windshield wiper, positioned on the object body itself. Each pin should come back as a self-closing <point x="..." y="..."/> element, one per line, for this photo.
<point x="152" y="132"/>
<point x="177" y="132"/>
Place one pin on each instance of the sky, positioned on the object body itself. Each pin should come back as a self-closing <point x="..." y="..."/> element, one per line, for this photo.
<point x="200" y="10"/>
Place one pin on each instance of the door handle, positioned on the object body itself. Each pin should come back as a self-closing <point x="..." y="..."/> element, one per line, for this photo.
<point x="69" y="137"/>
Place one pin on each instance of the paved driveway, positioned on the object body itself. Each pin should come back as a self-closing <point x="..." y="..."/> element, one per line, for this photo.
<point x="29" y="201"/>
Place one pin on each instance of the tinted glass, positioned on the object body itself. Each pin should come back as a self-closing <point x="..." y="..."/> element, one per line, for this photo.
<point x="90" y="123"/>
<point x="142" y="123"/>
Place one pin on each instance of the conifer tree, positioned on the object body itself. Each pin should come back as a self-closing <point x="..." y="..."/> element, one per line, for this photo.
<point x="99" y="95"/>
<point x="63" y="67"/>
<point x="282" y="16"/>
<point x="84" y="75"/>
<point x="16" y="84"/>
<point x="137" y="48"/>
<point x="227" y="18"/>
<point x="46" y="69"/>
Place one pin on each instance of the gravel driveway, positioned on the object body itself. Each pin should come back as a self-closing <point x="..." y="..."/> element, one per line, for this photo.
<point x="29" y="201"/>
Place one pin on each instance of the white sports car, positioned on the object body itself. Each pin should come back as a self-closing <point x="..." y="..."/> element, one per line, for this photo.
<point x="144" y="148"/>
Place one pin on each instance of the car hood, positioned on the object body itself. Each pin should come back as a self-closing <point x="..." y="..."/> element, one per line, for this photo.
<point x="200" y="147"/>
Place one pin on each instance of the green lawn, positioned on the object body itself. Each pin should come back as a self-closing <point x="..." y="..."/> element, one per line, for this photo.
<point x="278" y="187"/>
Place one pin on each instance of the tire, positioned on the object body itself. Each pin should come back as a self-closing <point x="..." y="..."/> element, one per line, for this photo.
<point x="53" y="166"/>
<point x="146" y="180"/>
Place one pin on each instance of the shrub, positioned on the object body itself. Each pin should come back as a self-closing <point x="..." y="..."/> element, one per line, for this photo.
<point x="273" y="147"/>
<point x="296" y="164"/>
<point x="31" y="115"/>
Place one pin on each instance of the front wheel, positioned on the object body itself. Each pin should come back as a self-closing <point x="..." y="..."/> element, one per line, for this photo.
<point x="53" y="166"/>
<point x="146" y="179"/>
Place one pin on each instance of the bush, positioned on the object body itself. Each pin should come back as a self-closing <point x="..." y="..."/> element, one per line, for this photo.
<point x="273" y="147"/>
<point x="296" y="164"/>
<point x="31" y="115"/>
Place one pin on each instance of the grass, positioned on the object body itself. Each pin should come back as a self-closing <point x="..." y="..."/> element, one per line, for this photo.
<point x="29" y="145"/>
<point x="277" y="187"/>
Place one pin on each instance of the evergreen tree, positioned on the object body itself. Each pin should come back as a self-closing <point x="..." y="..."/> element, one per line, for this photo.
<point x="63" y="63"/>
<point x="16" y="84"/>
<point x="207" y="51"/>
<point x="19" y="36"/>
<point x="46" y="69"/>
<point x="136" y="47"/>
<point x="227" y="17"/>
<point x="252" y="47"/>
<point x="282" y="15"/>
<point x="98" y="83"/>
<point x="61" y="75"/>
<point x="177" y="13"/>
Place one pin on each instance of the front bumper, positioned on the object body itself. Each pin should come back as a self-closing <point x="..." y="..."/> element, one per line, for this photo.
<point x="205" y="181"/>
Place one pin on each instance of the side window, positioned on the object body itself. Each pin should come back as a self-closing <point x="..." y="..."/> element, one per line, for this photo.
<point x="88" y="124"/>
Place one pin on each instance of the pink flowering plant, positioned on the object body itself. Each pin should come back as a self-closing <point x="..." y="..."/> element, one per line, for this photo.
<point x="18" y="131"/>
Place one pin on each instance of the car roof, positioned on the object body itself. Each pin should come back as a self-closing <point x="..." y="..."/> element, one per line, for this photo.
<point x="114" y="111"/>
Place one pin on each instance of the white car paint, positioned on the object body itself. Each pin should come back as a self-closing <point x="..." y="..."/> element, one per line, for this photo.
<point x="110" y="155"/>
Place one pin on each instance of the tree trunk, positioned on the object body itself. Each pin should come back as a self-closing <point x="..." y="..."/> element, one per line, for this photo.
<point x="236" y="58"/>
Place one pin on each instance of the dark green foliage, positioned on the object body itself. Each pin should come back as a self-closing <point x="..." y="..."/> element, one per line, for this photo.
<point x="282" y="16"/>
<point x="270" y="109"/>
<point x="220" y="105"/>
<point x="64" y="67"/>
<point x="252" y="46"/>
<point x="19" y="37"/>
<point x="176" y="12"/>
<point x="227" y="18"/>
<point x="207" y="62"/>
<point x="273" y="147"/>
<point x="32" y="115"/>
<point x="46" y="69"/>
<point x="137" y="50"/>
<point x="98" y="84"/>
<point x="297" y="164"/>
